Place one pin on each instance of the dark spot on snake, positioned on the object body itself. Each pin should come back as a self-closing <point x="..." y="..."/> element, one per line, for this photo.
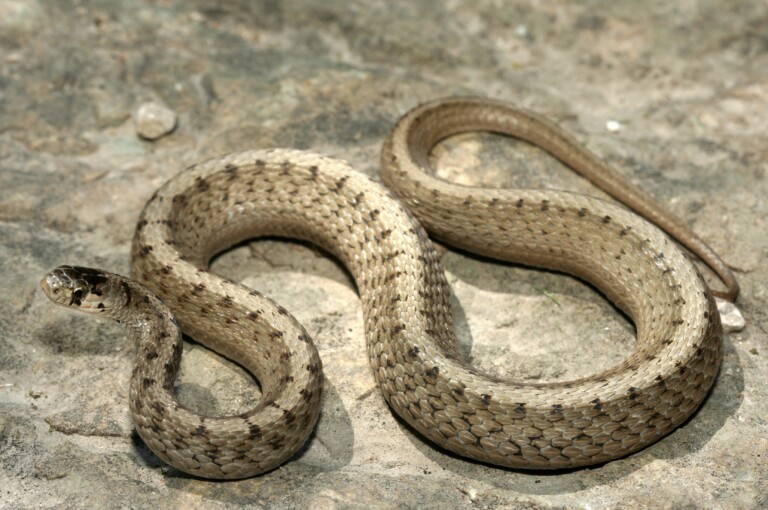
<point x="313" y="368"/>
<point x="254" y="431"/>
<point x="678" y="322"/>
<point x="231" y="320"/>
<point x="141" y="224"/>
<point x="392" y="276"/>
<point x="147" y="382"/>
<point x="281" y="310"/>
<point x="374" y="214"/>
<point x="145" y="299"/>
<point x="432" y="372"/>
<point x="260" y="163"/>
<point x="305" y="394"/>
<point x="485" y="398"/>
<point x="159" y="407"/>
<point x="659" y="257"/>
<point x="557" y="409"/>
<point x="199" y="431"/>
<point x="127" y="292"/>
<point x="397" y="328"/>
<point x="545" y="205"/>
<point x="100" y="306"/>
<point x="226" y="301"/>
<point x="152" y="355"/>
<point x="175" y="322"/>
<point x="199" y="287"/>
<point x="302" y="338"/>
<point x="202" y="184"/>
<point x="285" y="355"/>
<point x="287" y="379"/>
<point x="285" y="166"/>
<point x="93" y="279"/>
<point x="582" y="212"/>
<point x="145" y="250"/>
<point x="254" y="315"/>
<point x="289" y="416"/>
<point x="606" y="219"/>
<point x="706" y="315"/>
<point x="632" y="392"/>
<point x="519" y="203"/>
<point x="275" y="334"/>
<point x="340" y="183"/>
<point x="520" y="408"/>
<point x="179" y="199"/>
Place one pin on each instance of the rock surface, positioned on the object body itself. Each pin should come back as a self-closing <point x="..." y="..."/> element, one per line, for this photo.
<point x="686" y="82"/>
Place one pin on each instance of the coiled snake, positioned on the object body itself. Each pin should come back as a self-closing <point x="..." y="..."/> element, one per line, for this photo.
<point x="409" y="328"/>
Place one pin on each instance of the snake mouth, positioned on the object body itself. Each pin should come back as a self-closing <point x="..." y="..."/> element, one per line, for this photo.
<point x="55" y="288"/>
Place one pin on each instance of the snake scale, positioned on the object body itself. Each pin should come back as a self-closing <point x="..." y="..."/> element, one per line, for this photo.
<point x="411" y="342"/>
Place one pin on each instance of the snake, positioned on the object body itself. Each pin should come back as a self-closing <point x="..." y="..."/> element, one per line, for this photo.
<point x="378" y="233"/>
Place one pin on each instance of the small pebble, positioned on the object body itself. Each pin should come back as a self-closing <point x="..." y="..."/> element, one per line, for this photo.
<point x="730" y="316"/>
<point x="154" y="120"/>
<point x="613" y="126"/>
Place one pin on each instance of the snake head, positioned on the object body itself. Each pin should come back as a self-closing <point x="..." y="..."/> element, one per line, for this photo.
<point x="76" y="287"/>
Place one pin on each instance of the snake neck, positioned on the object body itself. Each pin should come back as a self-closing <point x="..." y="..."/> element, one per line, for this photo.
<point x="155" y="331"/>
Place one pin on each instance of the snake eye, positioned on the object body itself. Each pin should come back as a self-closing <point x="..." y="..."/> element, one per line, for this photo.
<point x="78" y="294"/>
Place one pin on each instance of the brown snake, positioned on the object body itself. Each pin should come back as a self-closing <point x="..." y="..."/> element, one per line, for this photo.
<point x="409" y="328"/>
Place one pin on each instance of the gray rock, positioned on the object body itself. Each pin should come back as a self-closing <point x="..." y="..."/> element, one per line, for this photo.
<point x="730" y="316"/>
<point x="154" y="120"/>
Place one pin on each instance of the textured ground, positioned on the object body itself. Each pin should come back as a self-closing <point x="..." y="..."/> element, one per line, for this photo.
<point x="686" y="84"/>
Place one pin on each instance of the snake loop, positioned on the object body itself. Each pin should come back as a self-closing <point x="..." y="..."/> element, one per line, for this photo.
<point x="411" y="342"/>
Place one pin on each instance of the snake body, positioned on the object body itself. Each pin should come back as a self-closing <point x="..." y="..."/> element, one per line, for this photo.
<point x="411" y="343"/>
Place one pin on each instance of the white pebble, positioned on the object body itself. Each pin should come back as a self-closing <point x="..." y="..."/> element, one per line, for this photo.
<point x="730" y="316"/>
<point x="613" y="126"/>
<point x="154" y="120"/>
